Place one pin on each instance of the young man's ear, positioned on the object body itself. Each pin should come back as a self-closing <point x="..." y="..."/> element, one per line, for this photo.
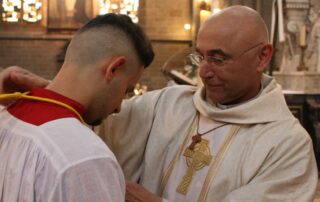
<point x="115" y="66"/>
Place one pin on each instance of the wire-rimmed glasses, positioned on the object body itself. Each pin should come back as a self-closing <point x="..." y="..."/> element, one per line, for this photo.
<point x="197" y="58"/>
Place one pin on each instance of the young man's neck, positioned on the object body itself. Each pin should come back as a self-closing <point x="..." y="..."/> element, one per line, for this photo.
<point x="70" y="84"/>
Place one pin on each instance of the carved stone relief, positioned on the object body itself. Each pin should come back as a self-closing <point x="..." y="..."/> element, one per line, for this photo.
<point x="299" y="53"/>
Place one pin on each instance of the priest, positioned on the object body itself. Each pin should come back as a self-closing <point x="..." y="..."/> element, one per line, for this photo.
<point x="234" y="139"/>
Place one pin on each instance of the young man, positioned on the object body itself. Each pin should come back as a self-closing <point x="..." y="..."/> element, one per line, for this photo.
<point x="47" y="153"/>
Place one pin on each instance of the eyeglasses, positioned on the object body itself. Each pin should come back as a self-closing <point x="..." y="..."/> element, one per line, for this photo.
<point x="196" y="58"/>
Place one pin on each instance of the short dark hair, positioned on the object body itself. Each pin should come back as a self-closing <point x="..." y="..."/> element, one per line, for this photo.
<point x="135" y="34"/>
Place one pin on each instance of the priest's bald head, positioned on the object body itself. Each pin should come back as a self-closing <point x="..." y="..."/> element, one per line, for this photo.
<point x="103" y="62"/>
<point x="233" y="51"/>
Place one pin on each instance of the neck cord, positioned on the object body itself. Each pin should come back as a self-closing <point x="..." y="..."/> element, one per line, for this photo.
<point x="197" y="138"/>
<point x="18" y="95"/>
<point x="208" y="131"/>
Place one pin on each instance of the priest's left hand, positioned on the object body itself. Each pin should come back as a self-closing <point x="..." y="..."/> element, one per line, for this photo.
<point x="136" y="193"/>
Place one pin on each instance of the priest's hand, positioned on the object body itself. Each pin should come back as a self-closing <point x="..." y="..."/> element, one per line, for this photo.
<point x="17" y="79"/>
<point x="136" y="193"/>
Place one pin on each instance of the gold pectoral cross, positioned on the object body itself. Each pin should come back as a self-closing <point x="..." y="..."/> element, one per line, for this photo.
<point x="197" y="156"/>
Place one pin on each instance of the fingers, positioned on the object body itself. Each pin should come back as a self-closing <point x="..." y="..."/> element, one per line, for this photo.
<point x="4" y="75"/>
<point x="27" y="80"/>
<point x="15" y="78"/>
<point x="136" y="193"/>
<point x="131" y="192"/>
<point x="5" y="85"/>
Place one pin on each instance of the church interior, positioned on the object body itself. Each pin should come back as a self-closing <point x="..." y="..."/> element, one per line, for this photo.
<point x="35" y="33"/>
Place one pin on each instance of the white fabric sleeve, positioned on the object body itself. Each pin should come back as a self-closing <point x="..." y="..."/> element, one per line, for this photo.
<point x="127" y="132"/>
<point x="93" y="180"/>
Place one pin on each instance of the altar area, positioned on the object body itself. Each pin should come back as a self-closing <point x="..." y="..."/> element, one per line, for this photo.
<point x="295" y="33"/>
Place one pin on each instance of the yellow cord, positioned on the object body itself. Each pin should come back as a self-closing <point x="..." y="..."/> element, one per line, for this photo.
<point x="18" y="95"/>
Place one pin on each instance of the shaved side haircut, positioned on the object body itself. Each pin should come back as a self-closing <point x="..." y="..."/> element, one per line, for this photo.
<point x="107" y="35"/>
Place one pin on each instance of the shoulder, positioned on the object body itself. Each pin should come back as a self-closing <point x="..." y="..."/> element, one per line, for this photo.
<point x="71" y="142"/>
<point x="274" y="144"/>
<point x="180" y="89"/>
<point x="172" y="92"/>
<point x="284" y="129"/>
<point x="172" y="96"/>
<point x="279" y="136"/>
<point x="167" y="96"/>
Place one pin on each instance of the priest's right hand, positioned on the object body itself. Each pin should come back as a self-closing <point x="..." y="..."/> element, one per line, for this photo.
<point x="136" y="193"/>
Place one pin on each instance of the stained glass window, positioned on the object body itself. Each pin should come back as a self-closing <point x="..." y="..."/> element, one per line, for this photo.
<point x="21" y="10"/>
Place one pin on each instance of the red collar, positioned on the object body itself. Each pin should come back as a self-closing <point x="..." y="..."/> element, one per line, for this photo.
<point x="38" y="112"/>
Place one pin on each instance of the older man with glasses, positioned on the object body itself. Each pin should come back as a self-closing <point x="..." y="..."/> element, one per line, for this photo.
<point x="234" y="139"/>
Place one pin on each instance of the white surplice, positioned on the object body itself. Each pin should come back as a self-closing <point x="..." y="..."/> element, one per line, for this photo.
<point x="61" y="160"/>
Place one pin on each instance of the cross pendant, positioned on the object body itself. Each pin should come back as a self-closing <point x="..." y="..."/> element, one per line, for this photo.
<point x="186" y="180"/>
<point x="196" y="159"/>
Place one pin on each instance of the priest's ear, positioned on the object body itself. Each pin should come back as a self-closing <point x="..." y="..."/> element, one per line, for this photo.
<point x="114" y="67"/>
<point x="265" y="56"/>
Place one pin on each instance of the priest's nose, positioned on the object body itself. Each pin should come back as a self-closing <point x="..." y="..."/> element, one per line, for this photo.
<point x="205" y="71"/>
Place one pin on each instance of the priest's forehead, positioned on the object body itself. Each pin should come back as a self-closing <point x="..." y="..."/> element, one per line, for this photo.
<point x="236" y="25"/>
